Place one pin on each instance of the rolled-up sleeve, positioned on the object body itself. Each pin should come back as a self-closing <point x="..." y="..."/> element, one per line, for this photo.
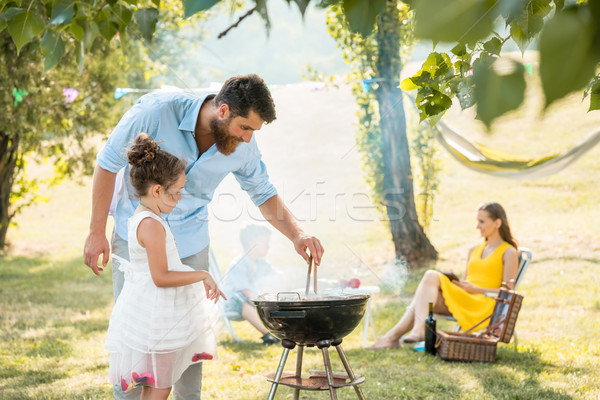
<point x="142" y="117"/>
<point x="253" y="177"/>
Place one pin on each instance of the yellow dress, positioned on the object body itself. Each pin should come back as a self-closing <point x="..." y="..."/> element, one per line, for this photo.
<point x="467" y="308"/>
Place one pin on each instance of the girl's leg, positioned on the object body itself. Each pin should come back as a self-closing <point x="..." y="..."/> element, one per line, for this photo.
<point x="150" y="393"/>
<point x="249" y="314"/>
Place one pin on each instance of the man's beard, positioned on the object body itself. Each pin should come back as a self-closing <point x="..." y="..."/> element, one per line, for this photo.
<point x="226" y="143"/>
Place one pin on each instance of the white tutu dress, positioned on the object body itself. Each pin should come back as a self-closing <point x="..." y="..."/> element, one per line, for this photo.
<point x="155" y="333"/>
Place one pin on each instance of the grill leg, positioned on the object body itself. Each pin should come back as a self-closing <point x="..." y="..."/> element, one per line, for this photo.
<point x="287" y="345"/>
<point x="324" y="346"/>
<point x="298" y="370"/>
<point x="349" y="371"/>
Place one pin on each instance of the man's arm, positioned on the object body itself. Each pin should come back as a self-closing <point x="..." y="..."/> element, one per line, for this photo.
<point x="279" y="216"/>
<point x="103" y="186"/>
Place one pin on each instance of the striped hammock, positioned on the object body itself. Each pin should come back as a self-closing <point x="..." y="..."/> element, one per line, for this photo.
<point x="495" y="162"/>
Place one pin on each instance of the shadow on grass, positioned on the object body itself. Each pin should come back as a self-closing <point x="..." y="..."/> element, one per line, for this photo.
<point x="48" y="304"/>
<point x="418" y="375"/>
<point x="247" y="349"/>
<point x="518" y="372"/>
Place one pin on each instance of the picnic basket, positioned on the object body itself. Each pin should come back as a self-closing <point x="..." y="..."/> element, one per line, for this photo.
<point x="467" y="346"/>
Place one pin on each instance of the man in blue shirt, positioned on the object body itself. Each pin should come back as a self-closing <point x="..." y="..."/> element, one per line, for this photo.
<point x="214" y="136"/>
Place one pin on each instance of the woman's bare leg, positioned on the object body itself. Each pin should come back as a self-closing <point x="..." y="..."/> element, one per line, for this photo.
<point x="249" y="314"/>
<point x="414" y="317"/>
<point x="427" y="292"/>
<point x="150" y="393"/>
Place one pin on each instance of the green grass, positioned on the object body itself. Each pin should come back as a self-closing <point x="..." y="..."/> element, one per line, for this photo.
<point x="54" y="318"/>
<point x="54" y="312"/>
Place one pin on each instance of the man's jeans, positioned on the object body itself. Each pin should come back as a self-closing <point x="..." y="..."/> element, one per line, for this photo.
<point x="188" y="387"/>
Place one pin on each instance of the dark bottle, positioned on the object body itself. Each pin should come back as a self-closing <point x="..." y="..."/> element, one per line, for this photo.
<point x="430" y="331"/>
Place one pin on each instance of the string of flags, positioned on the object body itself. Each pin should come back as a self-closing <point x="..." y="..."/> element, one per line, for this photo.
<point x="70" y="94"/>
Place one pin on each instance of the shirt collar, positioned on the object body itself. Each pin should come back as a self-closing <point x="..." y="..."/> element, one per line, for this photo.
<point x="188" y="123"/>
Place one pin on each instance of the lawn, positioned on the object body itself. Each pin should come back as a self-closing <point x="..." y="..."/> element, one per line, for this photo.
<point x="54" y="312"/>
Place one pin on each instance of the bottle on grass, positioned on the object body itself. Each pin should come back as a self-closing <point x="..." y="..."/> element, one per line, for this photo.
<point x="430" y="331"/>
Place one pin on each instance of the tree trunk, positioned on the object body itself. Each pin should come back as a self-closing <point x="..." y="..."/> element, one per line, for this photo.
<point x="9" y="145"/>
<point x="410" y="241"/>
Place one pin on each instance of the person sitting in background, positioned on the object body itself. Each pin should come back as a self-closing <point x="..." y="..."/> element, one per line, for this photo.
<point x="489" y="265"/>
<point x="248" y="275"/>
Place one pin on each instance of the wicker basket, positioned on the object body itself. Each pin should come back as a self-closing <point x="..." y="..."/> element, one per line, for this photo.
<point x="466" y="346"/>
<point x="462" y="346"/>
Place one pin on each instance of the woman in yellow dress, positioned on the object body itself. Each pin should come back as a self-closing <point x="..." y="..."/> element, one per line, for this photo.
<point x="488" y="265"/>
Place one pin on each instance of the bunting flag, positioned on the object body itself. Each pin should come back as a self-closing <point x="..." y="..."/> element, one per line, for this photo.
<point x="70" y="94"/>
<point x="19" y="95"/>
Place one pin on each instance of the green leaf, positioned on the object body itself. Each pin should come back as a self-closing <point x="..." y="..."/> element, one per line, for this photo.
<point x="23" y="26"/>
<point x="108" y="29"/>
<point x="436" y="103"/>
<point x="459" y="50"/>
<point x="526" y="26"/>
<point x="62" y="12"/>
<point x="156" y="3"/>
<point x="463" y="90"/>
<point x="539" y="8"/>
<point x="595" y="97"/>
<point x="496" y="94"/>
<point x="106" y="26"/>
<point x="80" y="56"/>
<point x="146" y="19"/>
<point x="191" y="7"/>
<point x="53" y="49"/>
<point x="560" y="4"/>
<point x="408" y="85"/>
<point x="302" y="5"/>
<point x="494" y="45"/>
<point x="361" y="14"/>
<point x="3" y="23"/>
<point x="456" y="20"/>
<point x="77" y="30"/>
<point x="91" y="32"/>
<point x="519" y="36"/>
<point x="511" y="9"/>
<point x="567" y="59"/>
<point x="121" y="16"/>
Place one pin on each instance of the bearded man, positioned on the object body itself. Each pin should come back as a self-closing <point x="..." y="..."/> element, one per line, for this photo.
<point x="214" y="135"/>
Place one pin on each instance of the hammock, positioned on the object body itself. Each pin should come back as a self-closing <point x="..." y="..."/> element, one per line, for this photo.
<point x="495" y="162"/>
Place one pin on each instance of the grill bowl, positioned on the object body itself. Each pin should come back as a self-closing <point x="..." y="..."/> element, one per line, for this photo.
<point x="308" y="321"/>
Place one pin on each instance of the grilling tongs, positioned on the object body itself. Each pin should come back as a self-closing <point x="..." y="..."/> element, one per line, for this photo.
<point x="310" y="263"/>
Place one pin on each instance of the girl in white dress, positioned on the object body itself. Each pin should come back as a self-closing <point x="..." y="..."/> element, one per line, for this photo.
<point x="163" y="319"/>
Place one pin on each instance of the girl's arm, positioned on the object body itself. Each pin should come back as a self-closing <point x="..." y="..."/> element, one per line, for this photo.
<point x="152" y="236"/>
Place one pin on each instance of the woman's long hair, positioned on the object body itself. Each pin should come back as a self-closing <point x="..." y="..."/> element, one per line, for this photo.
<point x="495" y="211"/>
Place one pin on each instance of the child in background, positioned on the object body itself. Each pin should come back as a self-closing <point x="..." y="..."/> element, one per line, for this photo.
<point x="249" y="275"/>
<point x="162" y="321"/>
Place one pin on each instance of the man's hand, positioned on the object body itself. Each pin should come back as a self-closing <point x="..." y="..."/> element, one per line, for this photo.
<point x="96" y="244"/>
<point x="303" y="242"/>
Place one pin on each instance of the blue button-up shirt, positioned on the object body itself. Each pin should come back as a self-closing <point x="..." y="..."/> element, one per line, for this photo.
<point x="170" y="119"/>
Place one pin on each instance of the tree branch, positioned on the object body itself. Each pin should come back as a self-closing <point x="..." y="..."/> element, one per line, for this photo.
<point x="237" y="23"/>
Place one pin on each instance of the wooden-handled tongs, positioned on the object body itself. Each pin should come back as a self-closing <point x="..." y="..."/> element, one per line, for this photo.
<point x="310" y="264"/>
